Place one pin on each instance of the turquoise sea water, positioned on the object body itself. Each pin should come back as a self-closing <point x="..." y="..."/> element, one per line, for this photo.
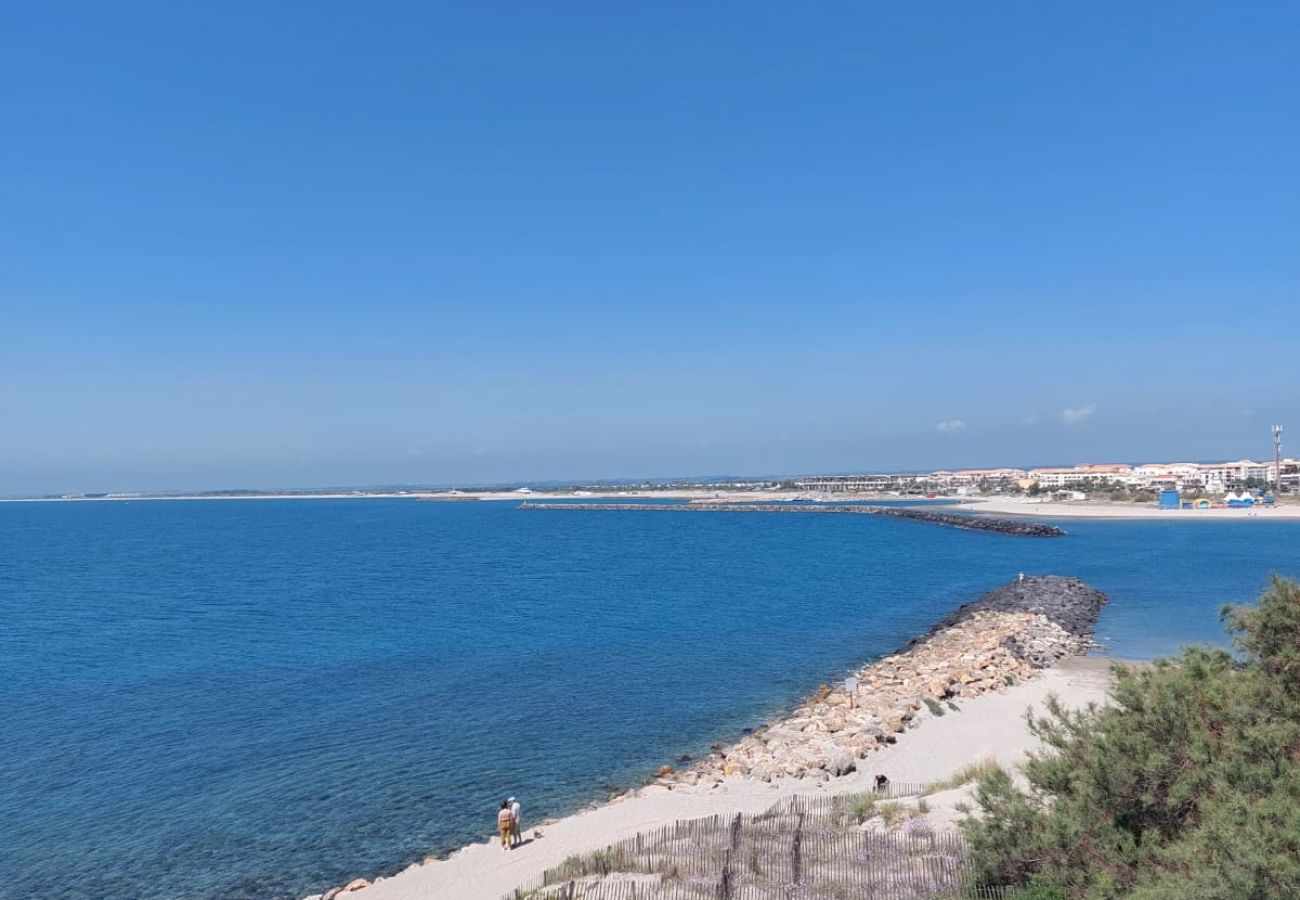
<point x="264" y="698"/>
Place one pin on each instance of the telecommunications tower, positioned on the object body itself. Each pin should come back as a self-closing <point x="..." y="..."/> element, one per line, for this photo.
<point x="1277" y="459"/>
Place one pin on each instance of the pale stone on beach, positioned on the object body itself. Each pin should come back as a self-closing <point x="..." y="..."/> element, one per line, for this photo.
<point x="1005" y="638"/>
<point x="975" y="654"/>
<point x="991" y="725"/>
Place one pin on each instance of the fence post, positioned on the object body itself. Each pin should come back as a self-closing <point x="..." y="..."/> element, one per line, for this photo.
<point x="724" y="883"/>
<point x="735" y="832"/>
<point x="796" y="849"/>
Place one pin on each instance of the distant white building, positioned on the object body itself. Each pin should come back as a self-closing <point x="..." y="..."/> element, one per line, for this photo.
<point x="1291" y="475"/>
<point x="971" y="477"/>
<point x="1059" y="478"/>
<point x="1219" y="477"/>
<point x="1159" y="476"/>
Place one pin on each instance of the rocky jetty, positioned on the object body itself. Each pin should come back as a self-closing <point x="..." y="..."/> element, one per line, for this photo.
<point x="1067" y="603"/>
<point x="1016" y="527"/>
<point x="1005" y="637"/>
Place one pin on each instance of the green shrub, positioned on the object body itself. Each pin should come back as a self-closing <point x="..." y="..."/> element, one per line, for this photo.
<point x="965" y="775"/>
<point x="895" y="813"/>
<point x="1185" y="786"/>
<point x="863" y="807"/>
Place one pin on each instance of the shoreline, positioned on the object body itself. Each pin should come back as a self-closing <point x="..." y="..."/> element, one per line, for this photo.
<point x="995" y="656"/>
<point x="992" y="506"/>
<point x="991" y="725"/>
<point x="460" y="496"/>
<point x="1013" y="527"/>
<point x="1085" y="509"/>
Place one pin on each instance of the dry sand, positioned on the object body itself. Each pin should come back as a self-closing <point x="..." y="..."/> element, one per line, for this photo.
<point x="991" y="725"/>
<point x="1087" y="509"/>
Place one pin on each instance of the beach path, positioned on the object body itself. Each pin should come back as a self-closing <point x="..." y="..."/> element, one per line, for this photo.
<point x="991" y="725"/>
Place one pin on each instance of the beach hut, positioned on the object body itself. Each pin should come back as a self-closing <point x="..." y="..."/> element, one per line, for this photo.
<point x="1169" y="500"/>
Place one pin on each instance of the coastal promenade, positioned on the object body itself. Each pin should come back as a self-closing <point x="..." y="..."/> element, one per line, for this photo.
<point x="1015" y="527"/>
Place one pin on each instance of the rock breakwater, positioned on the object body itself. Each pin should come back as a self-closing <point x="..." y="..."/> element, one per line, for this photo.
<point x="1005" y="637"/>
<point x="1017" y="527"/>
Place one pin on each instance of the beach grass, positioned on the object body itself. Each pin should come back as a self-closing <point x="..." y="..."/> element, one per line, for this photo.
<point x="933" y="706"/>
<point x="965" y="775"/>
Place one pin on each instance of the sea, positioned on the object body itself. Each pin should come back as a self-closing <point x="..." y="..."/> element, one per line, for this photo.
<point x="265" y="698"/>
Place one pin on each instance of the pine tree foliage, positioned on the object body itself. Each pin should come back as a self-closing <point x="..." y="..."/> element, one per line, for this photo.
<point x="1186" y="785"/>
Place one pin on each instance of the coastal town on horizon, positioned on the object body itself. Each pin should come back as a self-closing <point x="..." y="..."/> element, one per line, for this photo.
<point x="1209" y="478"/>
<point x="676" y="451"/>
<point x="1280" y="476"/>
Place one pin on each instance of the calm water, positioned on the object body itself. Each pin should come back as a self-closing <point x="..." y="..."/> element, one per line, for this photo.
<point x="264" y="698"/>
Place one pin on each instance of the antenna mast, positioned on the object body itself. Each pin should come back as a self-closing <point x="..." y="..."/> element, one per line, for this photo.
<point x="1277" y="459"/>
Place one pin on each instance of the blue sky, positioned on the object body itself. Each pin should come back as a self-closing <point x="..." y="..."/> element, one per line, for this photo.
<point x="337" y="243"/>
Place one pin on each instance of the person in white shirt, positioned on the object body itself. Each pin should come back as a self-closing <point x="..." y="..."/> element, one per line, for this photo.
<point x="516" y="835"/>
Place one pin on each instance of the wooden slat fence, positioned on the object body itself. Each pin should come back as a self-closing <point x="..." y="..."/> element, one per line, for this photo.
<point x="641" y="890"/>
<point x="803" y="848"/>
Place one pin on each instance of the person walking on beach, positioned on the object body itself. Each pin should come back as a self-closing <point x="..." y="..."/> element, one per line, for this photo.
<point x="505" y="824"/>
<point x="516" y="837"/>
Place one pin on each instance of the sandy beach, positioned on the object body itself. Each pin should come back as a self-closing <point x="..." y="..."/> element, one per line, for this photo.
<point x="1087" y="509"/>
<point x="991" y="725"/>
<point x="989" y="662"/>
<point x="998" y="505"/>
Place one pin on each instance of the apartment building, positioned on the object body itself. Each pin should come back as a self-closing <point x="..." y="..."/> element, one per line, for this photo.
<point x="1218" y="477"/>
<point x="968" y="477"/>
<point x="1068" y="477"/>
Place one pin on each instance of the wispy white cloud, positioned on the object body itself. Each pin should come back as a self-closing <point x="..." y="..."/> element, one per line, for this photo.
<point x="1078" y="414"/>
<point x="950" y="426"/>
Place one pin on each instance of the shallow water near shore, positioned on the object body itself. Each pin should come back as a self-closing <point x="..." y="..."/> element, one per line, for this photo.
<point x="265" y="698"/>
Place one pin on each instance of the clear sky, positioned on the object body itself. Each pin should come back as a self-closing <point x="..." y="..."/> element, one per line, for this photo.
<point x="279" y="244"/>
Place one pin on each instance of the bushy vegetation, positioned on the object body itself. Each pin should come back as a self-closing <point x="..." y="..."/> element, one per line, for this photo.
<point x="965" y="775"/>
<point x="1188" y="786"/>
<point x="863" y="807"/>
